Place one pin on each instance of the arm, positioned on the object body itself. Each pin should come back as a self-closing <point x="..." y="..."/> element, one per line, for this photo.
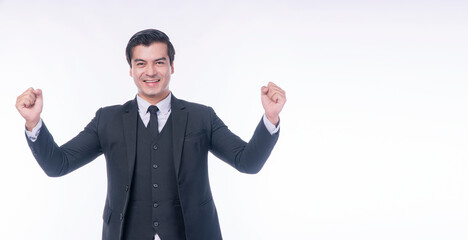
<point x="55" y="160"/>
<point x="249" y="157"/>
<point x="245" y="157"/>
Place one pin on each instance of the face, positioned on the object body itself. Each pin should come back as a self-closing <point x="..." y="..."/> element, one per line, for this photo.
<point x="151" y="71"/>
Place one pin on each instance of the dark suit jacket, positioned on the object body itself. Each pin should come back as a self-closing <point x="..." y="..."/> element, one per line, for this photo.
<point x="196" y="130"/>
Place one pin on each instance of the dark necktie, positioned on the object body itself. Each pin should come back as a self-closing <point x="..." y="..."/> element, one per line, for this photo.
<point x="153" y="123"/>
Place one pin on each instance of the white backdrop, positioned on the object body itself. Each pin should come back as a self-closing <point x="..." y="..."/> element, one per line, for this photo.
<point x="374" y="134"/>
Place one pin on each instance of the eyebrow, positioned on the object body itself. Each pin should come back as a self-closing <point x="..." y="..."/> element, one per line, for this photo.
<point x="159" y="59"/>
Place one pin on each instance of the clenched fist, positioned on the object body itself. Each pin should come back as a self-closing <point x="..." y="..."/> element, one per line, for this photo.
<point x="29" y="105"/>
<point x="273" y="100"/>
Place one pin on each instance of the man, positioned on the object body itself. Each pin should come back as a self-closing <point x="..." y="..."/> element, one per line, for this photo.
<point x="156" y="149"/>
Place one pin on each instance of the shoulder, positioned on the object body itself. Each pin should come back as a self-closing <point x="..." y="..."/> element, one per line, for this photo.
<point x="192" y="105"/>
<point x="113" y="110"/>
<point x="120" y="107"/>
<point x="196" y="111"/>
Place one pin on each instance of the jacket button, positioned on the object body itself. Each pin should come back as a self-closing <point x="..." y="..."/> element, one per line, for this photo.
<point x="155" y="147"/>
<point x="155" y="185"/>
<point x="155" y="205"/>
<point x="155" y="166"/>
<point x="155" y="224"/>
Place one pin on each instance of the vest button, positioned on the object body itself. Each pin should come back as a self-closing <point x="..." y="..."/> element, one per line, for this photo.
<point x="155" y="166"/>
<point x="155" y="205"/>
<point x="121" y="216"/>
<point x="126" y="188"/>
<point x="155" y="147"/>
<point x="156" y="224"/>
<point x="155" y="185"/>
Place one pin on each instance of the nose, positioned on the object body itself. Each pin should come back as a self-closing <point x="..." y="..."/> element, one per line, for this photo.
<point x="151" y="71"/>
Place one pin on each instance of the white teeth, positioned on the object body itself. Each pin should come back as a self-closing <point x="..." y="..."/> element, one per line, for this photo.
<point x="152" y="81"/>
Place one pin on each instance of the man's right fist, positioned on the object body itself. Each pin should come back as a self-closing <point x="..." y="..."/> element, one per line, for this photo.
<point x="29" y="105"/>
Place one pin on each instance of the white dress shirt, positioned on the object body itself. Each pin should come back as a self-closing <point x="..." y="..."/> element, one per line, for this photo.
<point x="164" y="112"/>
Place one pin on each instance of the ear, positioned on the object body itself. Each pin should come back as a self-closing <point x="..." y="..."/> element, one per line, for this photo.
<point x="172" y="67"/>
<point x="131" y="74"/>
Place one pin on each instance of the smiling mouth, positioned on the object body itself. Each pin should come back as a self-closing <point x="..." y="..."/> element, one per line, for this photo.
<point x="151" y="81"/>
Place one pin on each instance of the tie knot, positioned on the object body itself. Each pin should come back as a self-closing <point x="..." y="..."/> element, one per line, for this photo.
<point x="153" y="109"/>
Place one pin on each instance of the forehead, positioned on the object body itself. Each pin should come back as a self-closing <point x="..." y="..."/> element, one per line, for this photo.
<point x="154" y="51"/>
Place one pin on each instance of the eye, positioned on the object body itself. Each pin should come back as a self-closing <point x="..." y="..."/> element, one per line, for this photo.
<point x="139" y="64"/>
<point x="160" y="62"/>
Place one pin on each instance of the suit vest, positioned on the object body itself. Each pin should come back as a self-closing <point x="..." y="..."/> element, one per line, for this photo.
<point x="154" y="205"/>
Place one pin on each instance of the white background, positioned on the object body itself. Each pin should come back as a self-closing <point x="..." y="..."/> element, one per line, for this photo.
<point x="373" y="138"/>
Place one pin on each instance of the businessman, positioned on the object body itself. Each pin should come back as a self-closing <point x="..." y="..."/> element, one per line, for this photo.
<point x="156" y="149"/>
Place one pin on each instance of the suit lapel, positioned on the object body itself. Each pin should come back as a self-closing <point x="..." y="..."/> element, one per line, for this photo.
<point x="179" y="124"/>
<point x="130" y="118"/>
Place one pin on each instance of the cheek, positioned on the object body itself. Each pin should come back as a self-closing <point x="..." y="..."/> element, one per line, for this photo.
<point x="168" y="74"/>
<point x="136" y="74"/>
<point x="136" y="79"/>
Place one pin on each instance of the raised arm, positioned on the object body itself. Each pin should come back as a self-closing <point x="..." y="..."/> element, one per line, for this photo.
<point x="54" y="160"/>
<point x="249" y="157"/>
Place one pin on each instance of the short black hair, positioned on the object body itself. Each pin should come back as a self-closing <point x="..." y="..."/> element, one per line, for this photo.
<point x="146" y="38"/>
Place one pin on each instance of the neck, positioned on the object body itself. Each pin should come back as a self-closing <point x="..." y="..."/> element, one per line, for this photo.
<point x="153" y="100"/>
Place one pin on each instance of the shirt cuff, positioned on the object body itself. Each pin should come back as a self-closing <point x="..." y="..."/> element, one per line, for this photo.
<point x="272" y="129"/>
<point x="32" y="135"/>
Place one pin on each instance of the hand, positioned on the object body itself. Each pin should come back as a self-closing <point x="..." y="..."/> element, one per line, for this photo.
<point x="273" y="100"/>
<point x="29" y="105"/>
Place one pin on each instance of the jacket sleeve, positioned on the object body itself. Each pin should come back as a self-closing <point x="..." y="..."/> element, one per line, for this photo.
<point x="57" y="161"/>
<point x="245" y="157"/>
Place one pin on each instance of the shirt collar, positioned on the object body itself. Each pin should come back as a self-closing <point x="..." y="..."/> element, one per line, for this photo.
<point x="164" y="105"/>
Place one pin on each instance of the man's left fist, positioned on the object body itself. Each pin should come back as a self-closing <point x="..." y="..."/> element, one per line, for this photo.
<point x="273" y="100"/>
